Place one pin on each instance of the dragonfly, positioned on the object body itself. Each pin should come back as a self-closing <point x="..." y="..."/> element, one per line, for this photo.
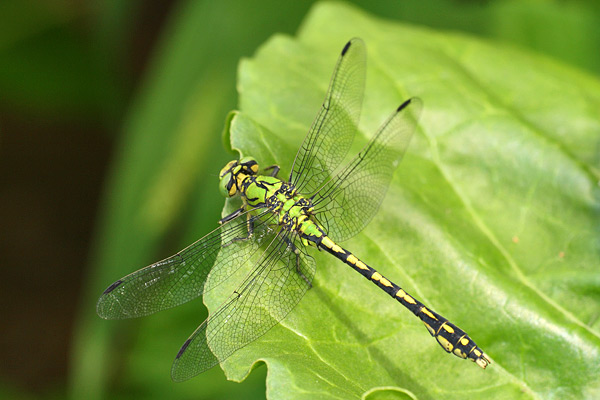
<point x="319" y="205"/>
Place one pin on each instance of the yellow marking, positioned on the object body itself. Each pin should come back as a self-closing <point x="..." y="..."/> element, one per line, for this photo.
<point x="477" y="353"/>
<point x="361" y="265"/>
<point x="430" y="329"/>
<point x="400" y="293"/>
<point x="331" y="245"/>
<point x="327" y="242"/>
<point x="458" y="352"/>
<point x="254" y="168"/>
<point x="409" y="299"/>
<point x="240" y="179"/>
<point x="464" y="341"/>
<point x="445" y="343"/>
<point x="385" y="282"/>
<point x="301" y="218"/>
<point x="428" y="313"/>
<point x="448" y="328"/>
<point x="352" y="259"/>
<point x="376" y="276"/>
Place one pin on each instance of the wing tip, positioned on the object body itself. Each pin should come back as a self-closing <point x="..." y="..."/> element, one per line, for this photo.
<point x="350" y="43"/>
<point x="346" y="47"/>
<point x="183" y="348"/>
<point x="177" y="374"/>
<point x="113" y="286"/>
<point x="404" y="105"/>
<point x="417" y="105"/>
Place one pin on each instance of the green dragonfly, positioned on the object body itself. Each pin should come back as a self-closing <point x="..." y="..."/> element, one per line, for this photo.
<point x="277" y="222"/>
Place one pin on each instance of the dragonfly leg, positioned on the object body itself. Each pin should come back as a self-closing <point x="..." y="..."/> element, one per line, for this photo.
<point x="231" y="216"/>
<point x="275" y="169"/>
<point x="297" y="253"/>
<point x="250" y="224"/>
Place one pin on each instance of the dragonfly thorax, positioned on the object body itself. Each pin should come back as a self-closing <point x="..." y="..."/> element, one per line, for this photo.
<point x="293" y="211"/>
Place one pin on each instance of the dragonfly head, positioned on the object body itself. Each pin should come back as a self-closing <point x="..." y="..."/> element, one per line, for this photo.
<point x="233" y="174"/>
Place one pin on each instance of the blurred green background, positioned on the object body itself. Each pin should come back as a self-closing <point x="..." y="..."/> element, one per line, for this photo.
<point x="92" y="94"/>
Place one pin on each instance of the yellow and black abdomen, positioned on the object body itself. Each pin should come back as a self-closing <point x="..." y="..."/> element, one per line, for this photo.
<point x="452" y="339"/>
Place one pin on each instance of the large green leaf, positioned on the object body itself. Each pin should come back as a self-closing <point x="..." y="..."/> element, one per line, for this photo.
<point x="491" y="220"/>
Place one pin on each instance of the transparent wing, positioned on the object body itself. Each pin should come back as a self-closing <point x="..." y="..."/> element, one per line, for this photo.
<point x="333" y="130"/>
<point x="346" y="204"/>
<point x="266" y="296"/>
<point x="183" y="276"/>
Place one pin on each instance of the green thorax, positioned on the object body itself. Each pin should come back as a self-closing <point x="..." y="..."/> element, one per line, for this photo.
<point x="258" y="189"/>
<point x="294" y="211"/>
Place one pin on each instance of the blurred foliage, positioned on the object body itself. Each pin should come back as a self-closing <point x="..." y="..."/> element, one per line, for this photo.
<point x="161" y="191"/>
<point x="46" y="69"/>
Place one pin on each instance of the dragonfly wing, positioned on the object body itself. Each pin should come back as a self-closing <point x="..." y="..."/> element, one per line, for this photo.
<point x="346" y="204"/>
<point x="183" y="276"/>
<point x="267" y="295"/>
<point x="334" y="128"/>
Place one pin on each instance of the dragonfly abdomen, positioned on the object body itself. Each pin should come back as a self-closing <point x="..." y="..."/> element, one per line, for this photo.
<point x="452" y="339"/>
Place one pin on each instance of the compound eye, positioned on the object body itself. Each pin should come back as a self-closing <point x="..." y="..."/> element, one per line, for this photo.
<point x="226" y="186"/>
<point x="250" y="165"/>
<point x="227" y="168"/>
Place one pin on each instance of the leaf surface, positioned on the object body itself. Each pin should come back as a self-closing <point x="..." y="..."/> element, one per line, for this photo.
<point x="491" y="219"/>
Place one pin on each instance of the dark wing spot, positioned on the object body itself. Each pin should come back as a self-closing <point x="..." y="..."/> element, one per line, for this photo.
<point x="185" y="345"/>
<point x="403" y="105"/>
<point x="346" y="47"/>
<point x="113" y="286"/>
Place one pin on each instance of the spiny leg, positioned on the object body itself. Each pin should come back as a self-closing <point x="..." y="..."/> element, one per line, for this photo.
<point x="297" y="253"/>
<point x="232" y="216"/>
<point x="275" y="169"/>
<point x="249" y="224"/>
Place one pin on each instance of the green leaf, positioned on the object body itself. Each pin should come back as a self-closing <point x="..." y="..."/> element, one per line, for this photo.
<point x="491" y="220"/>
